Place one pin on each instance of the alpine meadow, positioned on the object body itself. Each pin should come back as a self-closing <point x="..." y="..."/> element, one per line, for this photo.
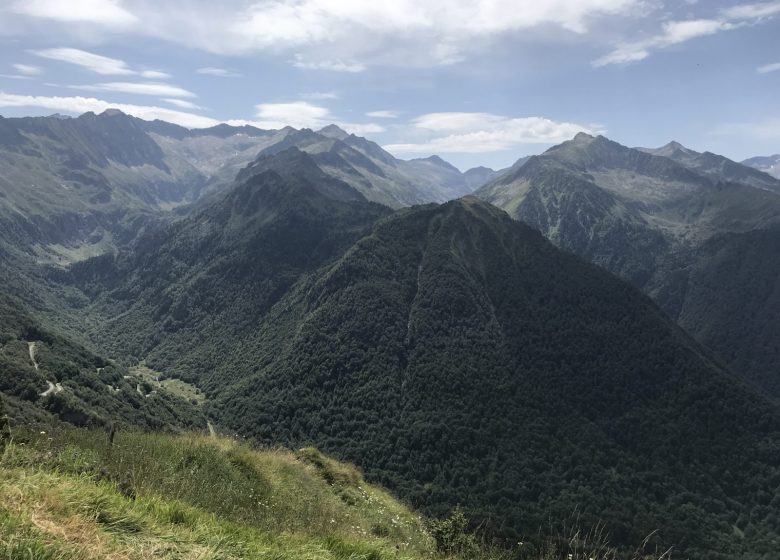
<point x="341" y="280"/>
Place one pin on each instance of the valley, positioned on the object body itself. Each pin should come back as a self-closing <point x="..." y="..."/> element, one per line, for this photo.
<point x="592" y="331"/>
<point x="407" y="280"/>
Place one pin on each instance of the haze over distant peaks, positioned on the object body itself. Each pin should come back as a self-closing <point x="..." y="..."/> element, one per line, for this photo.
<point x="716" y="166"/>
<point x="767" y="164"/>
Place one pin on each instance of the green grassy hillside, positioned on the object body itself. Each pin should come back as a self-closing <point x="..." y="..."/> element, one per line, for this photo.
<point x="67" y="494"/>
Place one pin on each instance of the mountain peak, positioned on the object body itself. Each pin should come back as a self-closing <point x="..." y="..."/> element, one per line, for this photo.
<point x="583" y="137"/>
<point x="671" y="150"/>
<point x="436" y="160"/>
<point x="334" y="131"/>
<point x="298" y="167"/>
<point x="112" y="113"/>
<point x="676" y="146"/>
<point x="479" y="169"/>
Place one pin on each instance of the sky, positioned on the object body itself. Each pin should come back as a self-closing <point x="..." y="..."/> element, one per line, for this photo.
<point x="478" y="82"/>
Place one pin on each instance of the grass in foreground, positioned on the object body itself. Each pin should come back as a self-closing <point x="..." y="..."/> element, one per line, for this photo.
<point x="69" y="495"/>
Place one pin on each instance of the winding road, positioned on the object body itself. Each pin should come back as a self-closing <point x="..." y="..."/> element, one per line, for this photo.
<point x="52" y="388"/>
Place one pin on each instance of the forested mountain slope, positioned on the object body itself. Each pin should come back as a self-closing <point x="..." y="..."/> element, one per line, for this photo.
<point x="455" y="354"/>
<point x="47" y="376"/>
<point x="182" y="292"/>
<point x="461" y="358"/>
<point x="653" y="220"/>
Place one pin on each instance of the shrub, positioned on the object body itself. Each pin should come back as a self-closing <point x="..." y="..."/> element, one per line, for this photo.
<point x="452" y="535"/>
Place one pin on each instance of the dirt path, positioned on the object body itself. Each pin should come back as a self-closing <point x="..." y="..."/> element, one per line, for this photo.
<point x="52" y="389"/>
<point x="31" y="348"/>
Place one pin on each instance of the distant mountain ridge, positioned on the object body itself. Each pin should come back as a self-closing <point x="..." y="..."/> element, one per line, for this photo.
<point x="76" y="185"/>
<point x="717" y="167"/>
<point x="653" y="217"/>
<point x="767" y="164"/>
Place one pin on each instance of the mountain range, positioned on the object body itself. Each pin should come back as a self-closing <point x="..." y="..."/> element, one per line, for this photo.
<point x="308" y="288"/>
<point x="696" y="232"/>
<point x="81" y="182"/>
<point x="767" y="164"/>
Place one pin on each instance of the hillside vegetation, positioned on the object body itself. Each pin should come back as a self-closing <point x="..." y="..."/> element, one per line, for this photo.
<point x="461" y="359"/>
<point x="453" y="353"/>
<point x="48" y="377"/>
<point x="696" y="232"/>
<point x="68" y="494"/>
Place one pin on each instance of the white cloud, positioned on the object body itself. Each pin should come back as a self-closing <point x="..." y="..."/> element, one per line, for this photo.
<point x="96" y="63"/>
<point x="28" y="70"/>
<point x="155" y="75"/>
<point x="674" y="33"/>
<point x="301" y="22"/>
<point x="753" y="11"/>
<point x="302" y="114"/>
<point x="181" y="103"/>
<point x="680" y="31"/>
<point x="332" y="65"/>
<point x="623" y="54"/>
<point x="361" y="129"/>
<point x="320" y="95"/>
<point x="347" y="35"/>
<point x="767" y="68"/>
<point x="144" y="88"/>
<point x="106" y="12"/>
<point x="298" y="114"/>
<point x="80" y="105"/>
<point x="677" y="32"/>
<point x="485" y="132"/>
<point x="383" y="114"/>
<point x="221" y="72"/>
<point x="15" y="77"/>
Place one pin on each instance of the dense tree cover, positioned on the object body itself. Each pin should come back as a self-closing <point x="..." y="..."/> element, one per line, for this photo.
<point x="88" y="389"/>
<point x="732" y="302"/>
<point x="454" y="354"/>
<point x="188" y="290"/>
<point x="460" y="358"/>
